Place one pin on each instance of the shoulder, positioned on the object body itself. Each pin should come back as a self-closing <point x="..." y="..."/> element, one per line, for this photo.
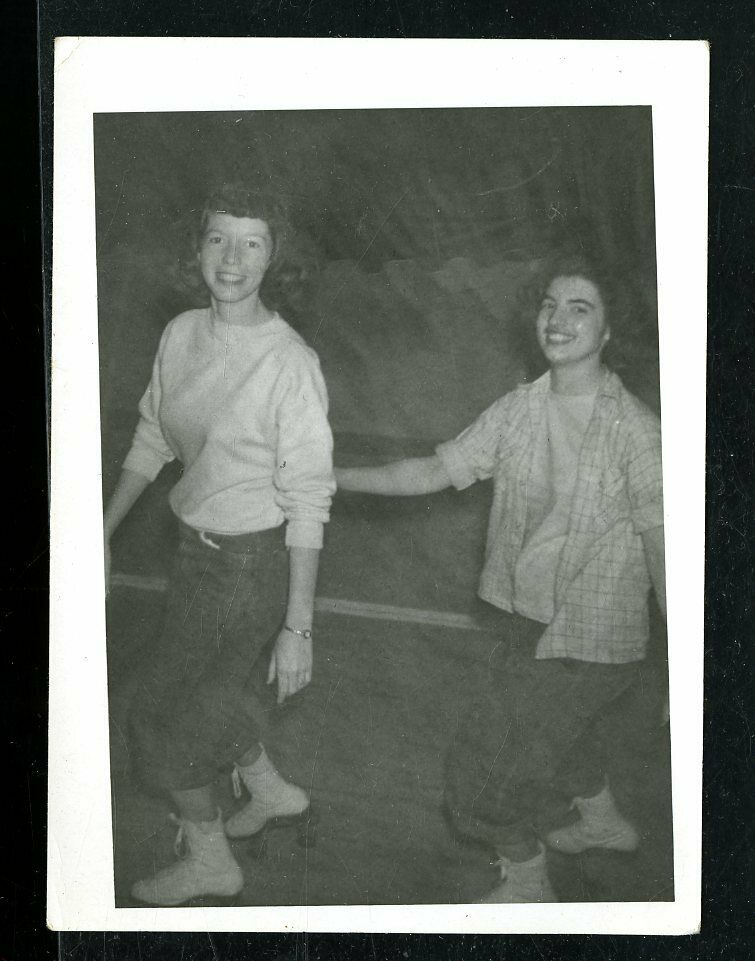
<point x="638" y="416"/>
<point x="503" y="415"/>
<point x="640" y="425"/>
<point x="293" y="354"/>
<point x="182" y="326"/>
<point x="517" y="402"/>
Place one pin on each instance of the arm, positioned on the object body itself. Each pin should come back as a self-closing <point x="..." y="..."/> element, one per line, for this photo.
<point x="127" y="491"/>
<point x="148" y="454"/>
<point x="416" y="475"/>
<point x="653" y="542"/>
<point x="291" y="661"/>
<point x="304" y="485"/>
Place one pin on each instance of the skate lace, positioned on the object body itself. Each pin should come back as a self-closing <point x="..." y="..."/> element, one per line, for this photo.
<point x="236" y="781"/>
<point x="179" y="845"/>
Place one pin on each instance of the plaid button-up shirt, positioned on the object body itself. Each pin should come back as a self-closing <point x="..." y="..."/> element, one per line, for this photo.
<point x="602" y="581"/>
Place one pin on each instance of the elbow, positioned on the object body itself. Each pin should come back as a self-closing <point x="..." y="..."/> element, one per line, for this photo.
<point x="436" y="476"/>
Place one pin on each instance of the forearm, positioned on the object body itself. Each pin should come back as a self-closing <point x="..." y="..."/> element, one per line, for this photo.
<point x="127" y="491"/>
<point x="303" y="564"/>
<point x="653" y="542"/>
<point x="416" y="475"/>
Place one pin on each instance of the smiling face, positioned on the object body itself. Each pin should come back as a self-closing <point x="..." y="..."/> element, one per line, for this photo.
<point x="571" y="324"/>
<point x="234" y="254"/>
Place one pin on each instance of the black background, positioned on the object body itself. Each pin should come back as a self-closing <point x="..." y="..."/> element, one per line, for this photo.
<point x="727" y="879"/>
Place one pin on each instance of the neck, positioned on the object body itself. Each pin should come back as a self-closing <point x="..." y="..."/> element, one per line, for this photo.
<point x="250" y="312"/>
<point x="577" y="380"/>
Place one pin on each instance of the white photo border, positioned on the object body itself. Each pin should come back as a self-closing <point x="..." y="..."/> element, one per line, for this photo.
<point x="117" y="74"/>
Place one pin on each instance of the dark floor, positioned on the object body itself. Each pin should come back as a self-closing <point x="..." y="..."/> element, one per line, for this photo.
<point x="368" y="736"/>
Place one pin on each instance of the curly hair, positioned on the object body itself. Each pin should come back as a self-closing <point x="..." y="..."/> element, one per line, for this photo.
<point x="289" y="271"/>
<point x="629" y="320"/>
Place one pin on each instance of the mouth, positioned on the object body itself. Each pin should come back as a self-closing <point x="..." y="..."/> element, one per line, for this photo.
<point x="227" y="278"/>
<point x="558" y="338"/>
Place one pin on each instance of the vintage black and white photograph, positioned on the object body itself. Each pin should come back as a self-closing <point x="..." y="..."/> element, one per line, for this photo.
<point x="340" y="669"/>
<point x="381" y="442"/>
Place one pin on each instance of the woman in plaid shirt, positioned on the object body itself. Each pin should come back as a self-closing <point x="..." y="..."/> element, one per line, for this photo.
<point x="575" y="540"/>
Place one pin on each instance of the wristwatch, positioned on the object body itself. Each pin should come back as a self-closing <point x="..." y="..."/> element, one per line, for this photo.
<point x="307" y="635"/>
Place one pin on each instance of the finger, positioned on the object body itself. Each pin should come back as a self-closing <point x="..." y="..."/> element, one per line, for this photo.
<point x="308" y="677"/>
<point x="271" y="670"/>
<point x="283" y="687"/>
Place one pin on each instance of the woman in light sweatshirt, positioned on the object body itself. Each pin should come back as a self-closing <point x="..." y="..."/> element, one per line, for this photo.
<point x="238" y="398"/>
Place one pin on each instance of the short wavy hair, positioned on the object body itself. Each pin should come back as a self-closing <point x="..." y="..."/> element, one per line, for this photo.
<point x="290" y="269"/>
<point x="630" y="317"/>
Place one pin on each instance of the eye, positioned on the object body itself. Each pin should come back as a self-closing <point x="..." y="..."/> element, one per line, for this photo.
<point x="253" y="244"/>
<point x="213" y="239"/>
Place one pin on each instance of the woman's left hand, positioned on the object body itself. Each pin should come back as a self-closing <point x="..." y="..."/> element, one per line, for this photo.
<point x="291" y="664"/>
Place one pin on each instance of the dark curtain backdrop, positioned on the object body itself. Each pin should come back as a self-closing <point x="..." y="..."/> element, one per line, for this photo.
<point x="425" y="223"/>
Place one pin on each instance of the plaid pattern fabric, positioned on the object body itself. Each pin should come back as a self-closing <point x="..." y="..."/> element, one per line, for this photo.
<point x="602" y="582"/>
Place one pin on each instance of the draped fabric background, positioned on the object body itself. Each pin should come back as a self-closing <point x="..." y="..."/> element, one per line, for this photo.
<point x="425" y="224"/>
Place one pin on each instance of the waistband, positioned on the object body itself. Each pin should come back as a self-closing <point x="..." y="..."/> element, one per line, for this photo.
<point x="233" y="543"/>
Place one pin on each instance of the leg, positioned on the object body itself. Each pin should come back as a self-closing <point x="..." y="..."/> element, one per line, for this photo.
<point x="273" y="800"/>
<point x="200" y="705"/>
<point x="511" y="747"/>
<point x="195" y="804"/>
<point x="196" y="711"/>
<point x="206" y="866"/>
<point x="585" y="777"/>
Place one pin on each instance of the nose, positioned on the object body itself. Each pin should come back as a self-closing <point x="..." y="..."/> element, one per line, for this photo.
<point x="229" y="254"/>
<point x="559" y="317"/>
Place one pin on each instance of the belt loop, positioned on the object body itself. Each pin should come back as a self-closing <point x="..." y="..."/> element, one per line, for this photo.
<point x="207" y="540"/>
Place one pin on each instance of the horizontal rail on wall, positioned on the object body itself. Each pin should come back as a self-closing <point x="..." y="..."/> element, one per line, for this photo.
<point x="334" y="605"/>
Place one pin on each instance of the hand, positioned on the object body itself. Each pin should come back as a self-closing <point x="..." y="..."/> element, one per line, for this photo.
<point x="107" y="566"/>
<point x="291" y="664"/>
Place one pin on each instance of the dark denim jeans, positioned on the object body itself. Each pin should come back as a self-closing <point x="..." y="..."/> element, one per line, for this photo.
<point x="540" y="734"/>
<point x="199" y="704"/>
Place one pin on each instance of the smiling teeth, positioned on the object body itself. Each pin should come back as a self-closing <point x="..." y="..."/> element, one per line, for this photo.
<point x="559" y="338"/>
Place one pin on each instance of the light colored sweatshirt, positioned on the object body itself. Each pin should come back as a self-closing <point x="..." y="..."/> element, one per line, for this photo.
<point x="245" y="411"/>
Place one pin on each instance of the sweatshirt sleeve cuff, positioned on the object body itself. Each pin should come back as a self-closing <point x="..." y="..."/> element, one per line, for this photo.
<point x="456" y="467"/>
<point x="304" y="533"/>
<point x="143" y="462"/>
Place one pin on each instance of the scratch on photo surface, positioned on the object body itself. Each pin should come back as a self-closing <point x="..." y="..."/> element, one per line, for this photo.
<point x="382" y="224"/>
<point x="490" y="771"/>
<point x="194" y="597"/>
<point x="120" y="733"/>
<point x="115" y="211"/>
<point x="62" y="63"/>
<point x="519" y="183"/>
<point x="233" y="597"/>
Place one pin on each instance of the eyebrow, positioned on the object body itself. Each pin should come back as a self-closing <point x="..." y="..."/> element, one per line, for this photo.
<point x="220" y="230"/>
<point x="572" y="300"/>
